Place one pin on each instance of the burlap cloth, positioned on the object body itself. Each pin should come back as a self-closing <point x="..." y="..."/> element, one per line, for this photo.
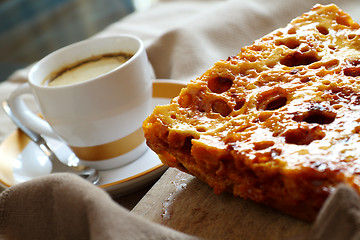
<point x="183" y="39"/>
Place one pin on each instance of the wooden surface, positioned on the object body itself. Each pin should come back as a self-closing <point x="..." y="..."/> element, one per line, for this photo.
<point x="182" y="202"/>
<point x="129" y="201"/>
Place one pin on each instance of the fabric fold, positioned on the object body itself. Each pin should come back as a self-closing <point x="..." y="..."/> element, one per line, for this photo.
<point x="64" y="206"/>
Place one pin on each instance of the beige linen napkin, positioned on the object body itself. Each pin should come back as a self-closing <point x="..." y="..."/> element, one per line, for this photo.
<point x="183" y="39"/>
<point x="63" y="206"/>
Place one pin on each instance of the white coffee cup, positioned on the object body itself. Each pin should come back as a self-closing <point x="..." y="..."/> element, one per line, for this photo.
<point x="99" y="119"/>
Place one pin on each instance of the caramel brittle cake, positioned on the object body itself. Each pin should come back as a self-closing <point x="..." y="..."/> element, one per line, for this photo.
<point x="279" y="123"/>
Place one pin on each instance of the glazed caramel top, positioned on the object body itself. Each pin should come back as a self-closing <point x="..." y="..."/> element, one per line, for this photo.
<point x="289" y="103"/>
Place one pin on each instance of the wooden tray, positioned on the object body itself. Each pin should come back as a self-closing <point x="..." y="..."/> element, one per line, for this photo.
<point x="182" y="202"/>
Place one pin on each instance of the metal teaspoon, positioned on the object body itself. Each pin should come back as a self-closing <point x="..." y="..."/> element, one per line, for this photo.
<point x="90" y="174"/>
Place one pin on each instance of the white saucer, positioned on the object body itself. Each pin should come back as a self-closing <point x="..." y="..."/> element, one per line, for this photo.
<point x="22" y="160"/>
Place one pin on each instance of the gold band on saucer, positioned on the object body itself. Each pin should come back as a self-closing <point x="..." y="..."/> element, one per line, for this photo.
<point x="111" y="149"/>
<point x="167" y="90"/>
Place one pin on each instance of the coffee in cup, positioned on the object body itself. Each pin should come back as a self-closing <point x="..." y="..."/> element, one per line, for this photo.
<point x="99" y="116"/>
<point x="86" y="69"/>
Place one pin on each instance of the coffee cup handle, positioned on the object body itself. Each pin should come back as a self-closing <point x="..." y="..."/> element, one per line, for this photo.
<point x="25" y="115"/>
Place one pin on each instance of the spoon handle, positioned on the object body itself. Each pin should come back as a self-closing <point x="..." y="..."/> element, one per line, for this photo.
<point x="35" y="137"/>
<point x="57" y="166"/>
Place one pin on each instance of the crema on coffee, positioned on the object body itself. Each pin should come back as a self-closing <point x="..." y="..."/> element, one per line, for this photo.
<point x="86" y="69"/>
